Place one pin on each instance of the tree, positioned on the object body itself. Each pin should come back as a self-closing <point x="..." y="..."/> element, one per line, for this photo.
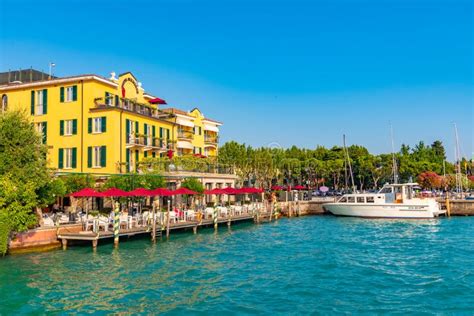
<point x="193" y="184"/>
<point x="25" y="178"/>
<point x="430" y="180"/>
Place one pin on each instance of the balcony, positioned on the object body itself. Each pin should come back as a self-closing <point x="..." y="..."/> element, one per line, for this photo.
<point x="148" y="143"/>
<point x="211" y="140"/>
<point x="185" y="135"/>
<point x="131" y="106"/>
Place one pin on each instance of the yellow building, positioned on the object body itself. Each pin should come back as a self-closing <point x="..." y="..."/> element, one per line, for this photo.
<point x="102" y="125"/>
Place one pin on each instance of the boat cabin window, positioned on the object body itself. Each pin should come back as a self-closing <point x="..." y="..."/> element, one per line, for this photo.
<point x="386" y="190"/>
<point x="370" y="199"/>
<point x="343" y="200"/>
<point x="351" y="199"/>
<point x="360" y="199"/>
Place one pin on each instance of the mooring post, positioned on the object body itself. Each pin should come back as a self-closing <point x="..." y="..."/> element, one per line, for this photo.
<point x="153" y="224"/>
<point x="448" y="206"/>
<point x="116" y="224"/>
<point x="94" y="244"/>
<point x="64" y="242"/>
<point x="168" y="219"/>
<point x="214" y="215"/>
<point x="195" y="229"/>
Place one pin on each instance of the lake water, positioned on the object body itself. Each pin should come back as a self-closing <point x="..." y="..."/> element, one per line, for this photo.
<point x="319" y="264"/>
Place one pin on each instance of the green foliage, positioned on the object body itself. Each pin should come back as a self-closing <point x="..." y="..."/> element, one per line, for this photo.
<point x="264" y="166"/>
<point x="193" y="184"/>
<point x="25" y="180"/>
<point x="75" y="182"/>
<point x="4" y="236"/>
<point x="134" y="181"/>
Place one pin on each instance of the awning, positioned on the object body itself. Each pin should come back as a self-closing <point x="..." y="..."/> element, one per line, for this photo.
<point x="184" y="122"/>
<point x="185" y="145"/>
<point x="212" y="128"/>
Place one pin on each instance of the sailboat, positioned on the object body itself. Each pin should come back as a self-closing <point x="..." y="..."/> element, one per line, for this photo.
<point x="392" y="201"/>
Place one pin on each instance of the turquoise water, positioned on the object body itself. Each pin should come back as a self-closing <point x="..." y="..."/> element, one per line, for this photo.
<point x="299" y="266"/>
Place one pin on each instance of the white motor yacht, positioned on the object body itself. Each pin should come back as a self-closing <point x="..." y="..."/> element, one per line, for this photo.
<point x="392" y="201"/>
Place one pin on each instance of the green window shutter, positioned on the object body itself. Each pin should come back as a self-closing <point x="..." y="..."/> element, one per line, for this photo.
<point x="103" y="156"/>
<point x="61" y="158"/>
<point x="61" y="94"/>
<point x="153" y="131"/>
<point x="74" y="93"/>
<point x="127" y="130"/>
<point x="103" y="127"/>
<point x="145" y="154"/>
<point x="74" y="127"/>
<point x="136" y="160"/>
<point x="153" y="154"/>
<point x="32" y="103"/>
<point x="116" y="100"/>
<point x="45" y="132"/>
<point x="106" y="98"/>
<point x="161" y="132"/>
<point x="145" y="131"/>
<point x="89" y="125"/>
<point x="137" y="130"/>
<point x="127" y="154"/>
<point x="89" y="157"/>
<point x="74" y="158"/>
<point x="45" y="101"/>
<point x="61" y="128"/>
<point x="168" y="134"/>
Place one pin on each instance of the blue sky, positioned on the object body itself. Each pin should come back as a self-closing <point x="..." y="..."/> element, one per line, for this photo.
<point x="275" y="72"/>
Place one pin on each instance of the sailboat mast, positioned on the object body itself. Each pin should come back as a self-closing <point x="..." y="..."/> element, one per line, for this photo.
<point x="346" y="154"/>
<point x="394" y="160"/>
<point x="457" y="157"/>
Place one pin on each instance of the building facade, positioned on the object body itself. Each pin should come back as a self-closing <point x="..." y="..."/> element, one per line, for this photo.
<point x="102" y="125"/>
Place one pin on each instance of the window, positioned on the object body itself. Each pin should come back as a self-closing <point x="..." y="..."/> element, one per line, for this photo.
<point x="68" y="127"/>
<point x="4" y="103"/>
<point x="370" y="199"/>
<point x="96" y="157"/>
<point x="351" y="199"/>
<point x="68" y="94"/>
<point x="42" y="129"/>
<point x="39" y="102"/>
<point x="109" y="99"/>
<point x="67" y="158"/>
<point x="360" y="199"/>
<point x="97" y="125"/>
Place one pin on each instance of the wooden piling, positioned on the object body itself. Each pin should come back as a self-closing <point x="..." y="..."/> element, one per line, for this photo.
<point x="64" y="243"/>
<point x="116" y="224"/>
<point x="448" y="207"/>
<point x="168" y="220"/>
<point x="153" y="225"/>
<point x="94" y="243"/>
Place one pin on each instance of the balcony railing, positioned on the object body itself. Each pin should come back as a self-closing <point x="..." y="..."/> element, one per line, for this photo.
<point x="185" y="134"/>
<point x="214" y="140"/>
<point x="148" y="142"/>
<point x="132" y="106"/>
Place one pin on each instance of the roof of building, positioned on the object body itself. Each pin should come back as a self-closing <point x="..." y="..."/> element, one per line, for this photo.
<point x="23" y="76"/>
<point x="175" y="111"/>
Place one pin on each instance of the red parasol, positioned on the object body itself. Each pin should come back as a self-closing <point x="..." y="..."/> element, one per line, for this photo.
<point x="114" y="192"/>
<point x="141" y="192"/>
<point x="215" y="191"/>
<point x="161" y="192"/>
<point x="157" y="101"/>
<point x="184" y="191"/>
<point x="87" y="192"/>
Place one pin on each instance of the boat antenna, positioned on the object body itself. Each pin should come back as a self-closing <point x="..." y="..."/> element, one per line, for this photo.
<point x="394" y="160"/>
<point x="346" y="156"/>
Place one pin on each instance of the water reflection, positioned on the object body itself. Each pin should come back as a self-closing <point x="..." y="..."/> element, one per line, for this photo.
<point x="301" y="265"/>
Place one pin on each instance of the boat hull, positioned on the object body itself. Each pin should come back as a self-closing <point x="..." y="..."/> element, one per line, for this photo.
<point x="383" y="211"/>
